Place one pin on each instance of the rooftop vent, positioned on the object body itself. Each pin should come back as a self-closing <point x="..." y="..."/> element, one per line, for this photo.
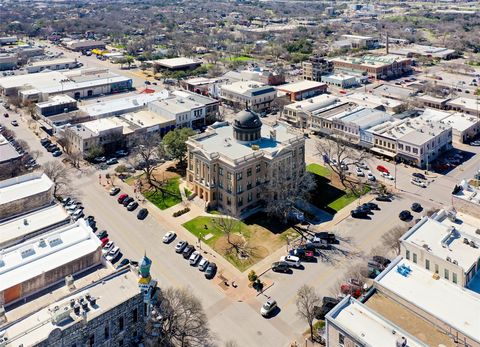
<point x="55" y="241"/>
<point x="27" y="252"/>
<point x="42" y="243"/>
<point x="455" y="262"/>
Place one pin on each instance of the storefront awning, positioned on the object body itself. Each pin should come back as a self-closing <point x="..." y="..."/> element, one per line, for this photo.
<point x="383" y="152"/>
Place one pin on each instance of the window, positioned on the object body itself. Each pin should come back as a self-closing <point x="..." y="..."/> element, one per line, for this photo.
<point x="239" y="176"/>
<point x="229" y="175"/>
<point x="407" y="255"/>
<point x="427" y="264"/>
<point x="249" y="172"/>
<point x="220" y="171"/>
<point x="220" y="197"/>
<point x="454" y="277"/>
<point x="446" y="274"/>
<point x="249" y="185"/>
<point x="341" y="339"/>
<point x="240" y="201"/>
<point x="135" y="312"/>
<point x="257" y="168"/>
<point x="436" y="268"/>
<point x="229" y="201"/>
<point x="91" y="340"/>
<point x="415" y="258"/>
<point x="220" y="184"/>
<point x="249" y="198"/>
<point x="120" y="323"/>
<point x="107" y="332"/>
<point x="239" y="189"/>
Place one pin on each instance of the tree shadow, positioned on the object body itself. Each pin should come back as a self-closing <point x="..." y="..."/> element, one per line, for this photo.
<point x="274" y="225"/>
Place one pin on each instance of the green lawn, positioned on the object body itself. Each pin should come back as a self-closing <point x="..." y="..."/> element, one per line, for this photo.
<point x="164" y="201"/>
<point x="239" y="58"/>
<point x="319" y="170"/>
<point x="197" y="227"/>
<point x="345" y="200"/>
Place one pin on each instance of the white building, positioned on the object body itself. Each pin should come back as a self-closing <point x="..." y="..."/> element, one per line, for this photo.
<point x="464" y="127"/>
<point x="439" y="245"/>
<point x="251" y="94"/>
<point x="51" y="65"/>
<point x="341" y="80"/>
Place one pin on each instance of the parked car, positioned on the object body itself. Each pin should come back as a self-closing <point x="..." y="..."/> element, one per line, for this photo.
<point x="292" y="261"/>
<point x="475" y="143"/>
<point x="180" y="246"/>
<point x="45" y="142"/>
<point x="419" y="183"/>
<point x="169" y="237"/>
<point x="319" y="243"/>
<point x="77" y="213"/>
<point x="52" y="148"/>
<point x="113" y="254"/>
<point x="211" y="271"/>
<point x="99" y="159"/>
<point x="107" y="248"/>
<point x="102" y="234"/>
<point x="387" y="176"/>
<point x="142" y="214"/>
<point x="123" y="263"/>
<point x="383" y="197"/>
<point x="121" y="198"/>
<point x="121" y="153"/>
<point x="268" y="307"/>
<point x="416" y="207"/>
<point x="371" y="177"/>
<point x="14" y="123"/>
<point x="127" y="200"/>
<point x="358" y="213"/>
<point x="194" y="258"/>
<point x="372" y="206"/>
<point x="187" y="252"/>
<point x="381" y="260"/>
<point x="303" y="254"/>
<point x="5" y="115"/>
<point x="382" y="168"/>
<point x="112" y="161"/>
<point x="325" y="235"/>
<point x="57" y="153"/>
<point x="359" y="172"/>
<point x="114" y="191"/>
<point x="104" y="241"/>
<point x="281" y="266"/>
<point x="328" y="304"/>
<point x="132" y="205"/>
<point x="203" y="264"/>
<point x="405" y="215"/>
<point x="419" y="175"/>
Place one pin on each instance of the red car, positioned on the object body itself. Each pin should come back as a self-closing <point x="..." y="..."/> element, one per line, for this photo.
<point x="121" y="198"/>
<point x="382" y="169"/>
<point x="104" y="241"/>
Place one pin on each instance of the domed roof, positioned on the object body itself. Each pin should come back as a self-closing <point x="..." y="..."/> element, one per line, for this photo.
<point x="246" y="119"/>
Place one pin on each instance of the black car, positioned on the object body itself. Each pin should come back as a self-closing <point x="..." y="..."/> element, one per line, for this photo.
<point x="405" y="215"/>
<point x="328" y="304"/>
<point x="281" y="266"/>
<point x="133" y="205"/>
<point x="381" y="260"/>
<point x="53" y="148"/>
<point x="102" y="234"/>
<point x="45" y="142"/>
<point x="365" y="207"/>
<point x="303" y="254"/>
<point x="419" y="175"/>
<point x="187" y="252"/>
<point x="383" y="197"/>
<point x="372" y="206"/>
<point x="358" y="213"/>
<point x="127" y="200"/>
<point x="123" y="263"/>
<point x="211" y="271"/>
<point x="142" y="214"/>
<point x="325" y="235"/>
<point x="416" y="207"/>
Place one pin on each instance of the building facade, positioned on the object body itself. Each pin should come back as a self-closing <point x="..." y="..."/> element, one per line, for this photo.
<point x="376" y="67"/>
<point x="230" y="166"/>
<point x="315" y="68"/>
<point x="251" y="94"/>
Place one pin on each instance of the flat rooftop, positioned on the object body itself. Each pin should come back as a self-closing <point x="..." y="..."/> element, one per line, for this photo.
<point x="469" y="193"/>
<point x="7" y="151"/>
<point x="393" y="91"/>
<point x="122" y="105"/>
<point x="20" y="187"/>
<point x="456" y="306"/>
<point x="173" y="63"/>
<point x="46" y="252"/>
<point x="364" y="117"/>
<point x="371" y="60"/>
<point x="109" y="292"/>
<point x="458" y="121"/>
<point x="371" y="100"/>
<point x="20" y="227"/>
<point x="221" y="140"/>
<point x="248" y="88"/>
<point x="312" y="104"/>
<point x="98" y="126"/>
<point x="146" y="119"/>
<point x="445" y="238"/>
<point x="59" y="61"/>
<point x="56" y="100"/>
<point x="466" y="103"/>
<point x="367" y="326"/>
<point x="299" y="86"/>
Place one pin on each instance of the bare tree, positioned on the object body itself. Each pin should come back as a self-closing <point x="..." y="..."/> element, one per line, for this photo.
<point x="183" y="321"/>
<point x="284" y="191"/>
<point x="149" y="149"/>
<point x="391" y="239"/>
<point x="306" y="301"/>
<point x="338" y="155"/>
<point x="76" y="158"/>
<point x="58" y="173"/>
<point x="65" y="142"/>
<point x="229" y="226"/>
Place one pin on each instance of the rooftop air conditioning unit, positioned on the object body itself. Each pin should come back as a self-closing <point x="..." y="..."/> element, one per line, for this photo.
<point x="449" y="259"/>
<point x="455" y="262"/>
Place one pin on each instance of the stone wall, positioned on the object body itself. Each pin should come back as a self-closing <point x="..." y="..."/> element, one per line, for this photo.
<point x="26" y="204"/>
<point x="465" y="206"/>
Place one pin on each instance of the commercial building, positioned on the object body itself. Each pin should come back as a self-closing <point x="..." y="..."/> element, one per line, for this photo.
<point x="433" y="102"/>
<point x="341" y="80"/>
<point x="465" y="105"/>
<point x="258" y="74"/>
<point x="464" y="127"/>
<point x="358" y="41"/>
<point x="25" y="193"/>
<point x="200" y="85"/>
<point x="316" y="67"/>
<point x="109" y="310"/>
<point x="42" y="261"/>
<point x="51" y="65"/>
<point x="8" y="40"/>
<point x="254" y="95"/>
<point x="8" y="154"/>
<point x="376" y="67"/>
<point x="84" y="45"/>
<point x="446" y="244"/>
<point x="351" y="323"/>
<point x="374" y="101"/>
<point x="234" y="167"/>
<point x="77" y="84"/>
<point x="8" y="61"/>
<point x="177" y="64"/>
<point x="415" y="50"/>
<point x="57" y="104"/>
<point x="466" y="196"/>
<point x="392" y="91"/>
<point x="300" y="90"/>
<point x="25" y="52"/>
